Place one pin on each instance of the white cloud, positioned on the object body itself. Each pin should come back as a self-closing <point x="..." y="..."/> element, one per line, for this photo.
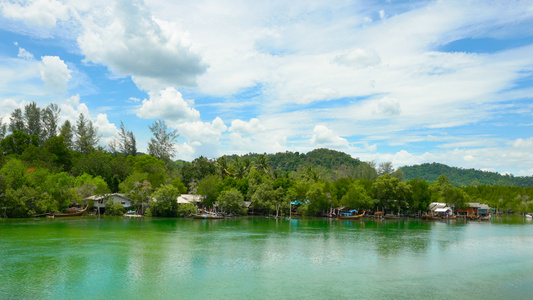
<point x="323" y="136"/>
<point x="105" y="129"/>
<point x="127" y="40"/>
<point x="44" y="13"/>
<point x="201" y="138"/>
<point x="54" y="73"/>
<point x="243" y="127"/>
<point x="388" y="107"/>
<point x="359" y="58"/>
<point x="6" y="107"/>
<point x="169" y="105"/>
<point x="525" y="144"/>
<point x="25" y="54"/>
<point x="71" y="108"/>
<point x="382" y="14"/>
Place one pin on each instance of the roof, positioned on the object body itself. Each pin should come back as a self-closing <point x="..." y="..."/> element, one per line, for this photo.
<point x="100" y="197"/>
<point x="474" y="205"/>
<point x="435" y="205"/>
<point x="189" y="198"/>
<point x="443" y="209"/>
<point x="484" y="206"/>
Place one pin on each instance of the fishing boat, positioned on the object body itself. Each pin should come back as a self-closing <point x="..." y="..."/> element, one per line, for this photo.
<point x="70" y="212"/>
<point x="348" y="216"/>
<point x="207" y="216"/>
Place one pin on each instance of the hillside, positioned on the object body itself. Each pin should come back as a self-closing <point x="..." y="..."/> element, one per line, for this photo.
<point x="463" y="177"/>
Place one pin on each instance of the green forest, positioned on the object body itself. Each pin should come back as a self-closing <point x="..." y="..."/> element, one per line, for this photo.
<point x="46" y="166"/>
<point x="463" y="177"/>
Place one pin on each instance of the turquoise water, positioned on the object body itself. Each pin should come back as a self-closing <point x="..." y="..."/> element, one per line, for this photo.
<point x="254" y="257"/>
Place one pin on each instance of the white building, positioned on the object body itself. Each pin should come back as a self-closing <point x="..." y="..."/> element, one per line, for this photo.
<point x="100" y="201"/>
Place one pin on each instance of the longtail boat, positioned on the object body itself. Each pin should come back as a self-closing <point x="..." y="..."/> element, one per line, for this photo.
<point x="207" y="216"/>
<point x="351" y="217"/>
<point x="70" y="213"/>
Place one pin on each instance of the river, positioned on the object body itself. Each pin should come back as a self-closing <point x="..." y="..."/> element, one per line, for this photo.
<point x="260" y="258"/>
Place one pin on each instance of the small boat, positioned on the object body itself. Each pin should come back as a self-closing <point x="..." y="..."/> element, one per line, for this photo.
<point x="132" y="214"/>
<point x="70" y="212"/>
<point x="449" y="218"/>
<point x="349" y="217"/>
<point x="207" y="216"/>
<point x="485" y="218"/>
<point x="529" y="215"/>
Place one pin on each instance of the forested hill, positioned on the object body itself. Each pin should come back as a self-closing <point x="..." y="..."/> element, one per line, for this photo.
<point x="330" y="164"/>
<point x="463" y="177"/>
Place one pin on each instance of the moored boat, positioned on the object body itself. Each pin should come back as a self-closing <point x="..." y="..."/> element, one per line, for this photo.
<point x="132" y="214"/>
<point x="354" y="217"/>
<point x="71" y="212"/>
<point x="485" y="218"/>
<point x="207" y="216"/>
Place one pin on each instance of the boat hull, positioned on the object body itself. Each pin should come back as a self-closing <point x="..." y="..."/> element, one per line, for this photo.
<point x="73" y="214"/>
<point x="206" y="216"/>
<point x="351" y="217"/>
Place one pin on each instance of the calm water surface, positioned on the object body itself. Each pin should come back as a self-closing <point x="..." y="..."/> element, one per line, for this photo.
<point x="261" y="258"/>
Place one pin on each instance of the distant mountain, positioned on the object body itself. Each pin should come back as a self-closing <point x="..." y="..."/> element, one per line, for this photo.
<point x="463" y="177"/>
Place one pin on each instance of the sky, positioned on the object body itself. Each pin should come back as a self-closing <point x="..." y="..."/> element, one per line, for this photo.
<point x="408" y="82"/>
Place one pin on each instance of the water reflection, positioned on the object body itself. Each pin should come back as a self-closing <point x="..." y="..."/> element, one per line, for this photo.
<point x="181" y="258"/>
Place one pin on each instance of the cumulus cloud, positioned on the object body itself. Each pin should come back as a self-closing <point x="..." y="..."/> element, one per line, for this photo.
<point x="71" y="108"/>
<point x="388" y="107"/>
<point x="105" y="129"/>
<point x="130" y="42"/>
<point x="54" y="73"/>
<point x="243" y="127"/>
<point x="43" y="13"/>
<point x="202" y="138"/>
<point x="169" y="105"/>
<point x="359" y="58"/>
<point x="323" y="136"/>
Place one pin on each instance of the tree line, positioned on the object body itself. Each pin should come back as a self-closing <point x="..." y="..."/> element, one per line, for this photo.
<point x="45" y="166"/>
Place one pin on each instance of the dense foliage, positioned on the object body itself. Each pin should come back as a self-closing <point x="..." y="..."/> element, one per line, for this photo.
<point x="45" y="167"/>
<point x="463" y="177"/>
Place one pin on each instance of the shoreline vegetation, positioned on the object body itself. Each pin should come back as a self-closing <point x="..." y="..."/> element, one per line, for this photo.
<point x="45" y="167"/>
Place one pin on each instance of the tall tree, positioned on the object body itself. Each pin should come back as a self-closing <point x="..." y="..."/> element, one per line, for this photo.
<point x="16" y="121"/>
<point x="3" y="129"/>
<point x="86" y="135"/>
<point x="67" y="132"/>
<point x="32" y="119"/>
<point x="261" y="164"/>
<point x="125" y="142"/>
<point x="50" y="120"/>
<point x="385" y="168"/>
<point x="162" y="144"/>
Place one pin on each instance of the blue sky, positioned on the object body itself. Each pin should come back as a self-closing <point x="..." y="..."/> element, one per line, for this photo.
<point x="402" y="81"/>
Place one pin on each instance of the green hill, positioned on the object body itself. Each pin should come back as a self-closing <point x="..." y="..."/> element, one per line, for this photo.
<point x="463" y="177"/>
